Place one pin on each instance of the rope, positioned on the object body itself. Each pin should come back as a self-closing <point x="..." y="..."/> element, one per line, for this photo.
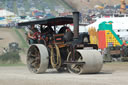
<point x="52" y="58"/>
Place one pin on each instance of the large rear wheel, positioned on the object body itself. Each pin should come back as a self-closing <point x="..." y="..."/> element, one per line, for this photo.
<point x="37" y="58"/>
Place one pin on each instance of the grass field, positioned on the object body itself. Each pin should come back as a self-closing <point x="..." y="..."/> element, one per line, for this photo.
<point x="17" y="64"/>
<point x="23" y="42"/>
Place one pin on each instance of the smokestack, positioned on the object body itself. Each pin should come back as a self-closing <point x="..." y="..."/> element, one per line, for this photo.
<point x="76" y="24"/>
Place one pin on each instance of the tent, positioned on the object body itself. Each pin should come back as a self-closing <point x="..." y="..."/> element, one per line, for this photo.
<point x="5" y="13"/>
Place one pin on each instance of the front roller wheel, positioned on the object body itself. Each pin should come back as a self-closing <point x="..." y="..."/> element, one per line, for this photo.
<point x="92" y="58"/>
<point x="75" y="68"/>
<point x="37" y="58"/>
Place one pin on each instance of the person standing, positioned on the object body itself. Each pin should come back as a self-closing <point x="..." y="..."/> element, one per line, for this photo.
<point x="30" y="35"/>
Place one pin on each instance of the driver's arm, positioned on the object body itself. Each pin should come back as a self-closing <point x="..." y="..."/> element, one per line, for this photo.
<point x="29" y="35"/>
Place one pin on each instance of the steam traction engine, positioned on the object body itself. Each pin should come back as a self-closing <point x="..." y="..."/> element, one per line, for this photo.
<point x="64" y="50"/>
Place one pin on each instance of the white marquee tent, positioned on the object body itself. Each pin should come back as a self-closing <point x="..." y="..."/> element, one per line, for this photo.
<point x="5" y="13"/>
<point x="120" y="25"/>
<point x="118" y="22"/>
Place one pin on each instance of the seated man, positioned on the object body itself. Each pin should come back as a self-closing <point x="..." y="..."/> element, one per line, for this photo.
<point x="47" y="32"/>
<point x="32" y="39"/>
<point x="64" y="29"/>
<point x="68" y="34"/>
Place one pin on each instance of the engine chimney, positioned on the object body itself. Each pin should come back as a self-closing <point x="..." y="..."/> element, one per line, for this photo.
<point x="76" y="24"/>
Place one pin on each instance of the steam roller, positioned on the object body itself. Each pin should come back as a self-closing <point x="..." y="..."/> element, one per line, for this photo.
<point x="84" y="61"/>
<point x="63" y="50"/>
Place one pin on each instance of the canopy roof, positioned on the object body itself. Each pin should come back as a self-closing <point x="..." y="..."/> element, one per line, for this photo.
<point x="50" y="21"/>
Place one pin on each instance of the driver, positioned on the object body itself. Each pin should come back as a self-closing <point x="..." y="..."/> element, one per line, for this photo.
<point x="32" y="39"/>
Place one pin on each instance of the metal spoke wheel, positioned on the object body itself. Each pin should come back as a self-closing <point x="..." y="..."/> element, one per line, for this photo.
<point x="75" y="68"/>
<point x="92" y="59"/>
<point x="37" y="58"/>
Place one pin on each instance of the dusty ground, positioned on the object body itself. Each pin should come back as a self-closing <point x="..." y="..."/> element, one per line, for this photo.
<point x="7" y="36"/>
<point x="111" y="74"/>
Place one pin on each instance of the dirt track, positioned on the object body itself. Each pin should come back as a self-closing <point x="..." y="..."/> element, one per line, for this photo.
<point x="7" y="35"/>
<point x="111" y="74"/>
